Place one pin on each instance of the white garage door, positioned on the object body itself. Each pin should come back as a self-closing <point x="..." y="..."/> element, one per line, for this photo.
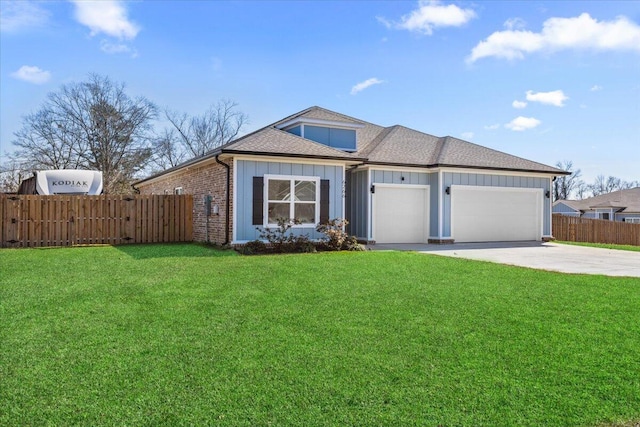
<point x="400" y="214"/>
<point x="485" y="214"/>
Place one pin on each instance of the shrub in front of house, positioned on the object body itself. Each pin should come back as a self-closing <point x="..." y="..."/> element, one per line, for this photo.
<point x="336" y="238"/>
<point x="281" y="239"/>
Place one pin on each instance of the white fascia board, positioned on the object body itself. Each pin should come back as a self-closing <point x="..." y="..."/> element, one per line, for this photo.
<point x="494" y="189"/>
<point x="282" y="159"/>
<point x="309" y="121"/>
<point x="377" y="184"/>
<point x="494" y="172"/>
<point x="397" y="169"/>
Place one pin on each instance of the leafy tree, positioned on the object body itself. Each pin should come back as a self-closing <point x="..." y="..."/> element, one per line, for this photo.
<point x="90" y="125"/>
<point x="193" y="136"/>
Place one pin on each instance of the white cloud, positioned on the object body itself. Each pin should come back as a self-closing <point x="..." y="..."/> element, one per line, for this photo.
<point x="492" y="127"/>
<point x="467" y="135"/>
<point x="431" y="14"/>
<point x="518" y="104"/>
<point x="582" y="32"/>
<point x="32" y="74"/>
<point x="21" y="15"/>
<point x="556" y="97"/>
<point x="514" y="24"/>
<point x="106" y="16"/>
<point x="365" y="84"/>
<point x="595" y="88"/>
<point x="522" y="123"/>
<point x="113" y="48"/>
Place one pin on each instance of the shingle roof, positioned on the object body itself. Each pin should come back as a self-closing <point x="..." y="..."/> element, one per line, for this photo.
<point x="272" y="141"/>
<point x="627" y="201"/>
<point x="399" y="145"/>
<point x="394" y="145"/>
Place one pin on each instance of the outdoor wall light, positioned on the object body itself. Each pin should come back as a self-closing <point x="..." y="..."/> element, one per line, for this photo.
<point x="448" y="190"/>
<point x="216" y="210"/>
<point x="547" y="194"/>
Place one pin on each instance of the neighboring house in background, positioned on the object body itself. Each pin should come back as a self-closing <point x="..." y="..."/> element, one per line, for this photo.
<point x="622" y="205"/>
<point x="393" y="184"/>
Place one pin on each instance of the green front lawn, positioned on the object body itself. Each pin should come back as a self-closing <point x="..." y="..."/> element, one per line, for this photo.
<point x="188" y="335"/>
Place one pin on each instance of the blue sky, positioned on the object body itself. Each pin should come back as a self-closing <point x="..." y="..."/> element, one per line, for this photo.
<point x="544" y="80"/>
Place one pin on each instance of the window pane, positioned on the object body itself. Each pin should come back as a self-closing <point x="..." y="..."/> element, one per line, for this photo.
<point x="279" y="189"/>
<point x="305" y="191"/>
<point x="278" y="210"/>
<point x="305" y="212"/>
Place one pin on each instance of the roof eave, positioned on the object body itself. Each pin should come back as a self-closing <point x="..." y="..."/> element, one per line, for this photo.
<point x="294" y="155"/>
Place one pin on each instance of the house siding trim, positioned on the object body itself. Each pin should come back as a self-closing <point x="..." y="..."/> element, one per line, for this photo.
<point x="248" y="167"/>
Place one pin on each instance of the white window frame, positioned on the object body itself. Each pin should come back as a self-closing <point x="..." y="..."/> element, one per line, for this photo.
<point x="291" y="179"/>
<point x="178" y="190"/>
<point x="632" y="220"/>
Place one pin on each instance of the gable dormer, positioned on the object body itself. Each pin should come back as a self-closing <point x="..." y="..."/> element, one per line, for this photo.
<point x="334" y="134"/>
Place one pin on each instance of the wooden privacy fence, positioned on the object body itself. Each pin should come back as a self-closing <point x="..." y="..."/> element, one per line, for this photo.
<point x="67" y="220"/>
<point x="575" y="229"/>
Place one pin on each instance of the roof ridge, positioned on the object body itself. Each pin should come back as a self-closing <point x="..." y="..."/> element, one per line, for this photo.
<point x="502" y="152"/>
<point x="379" y="139"/>
<point x="440" y="149"/>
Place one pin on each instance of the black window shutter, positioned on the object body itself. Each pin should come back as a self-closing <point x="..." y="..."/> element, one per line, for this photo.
<point x="258" y="200"/>
<point x="324" y="201"/>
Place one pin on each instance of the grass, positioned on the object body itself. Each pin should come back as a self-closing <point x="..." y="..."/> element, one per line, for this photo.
<point x="602" y="245"/>
<point x="188" y="335"/>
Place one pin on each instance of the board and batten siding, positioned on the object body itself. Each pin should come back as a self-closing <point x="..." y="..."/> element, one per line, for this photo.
<point x="247" y="169"/>
<point x="357" y="208"/>
<point x="489" y="180"/>
<point x="565" y="210"/>
<point x="415" y="178"/>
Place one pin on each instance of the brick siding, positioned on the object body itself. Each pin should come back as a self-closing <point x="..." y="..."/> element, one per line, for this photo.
<point x="200" y="181"/>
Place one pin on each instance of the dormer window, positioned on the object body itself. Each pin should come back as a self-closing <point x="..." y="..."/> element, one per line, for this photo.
<point x="338" y="135"/>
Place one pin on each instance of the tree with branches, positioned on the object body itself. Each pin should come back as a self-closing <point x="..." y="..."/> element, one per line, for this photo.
<point x="90" y="125"/>
<point x="193" y="136"/>
<point x="564" y="185"/>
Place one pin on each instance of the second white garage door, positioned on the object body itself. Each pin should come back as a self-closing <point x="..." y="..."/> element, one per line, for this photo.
<point x="401" y="213"/>
<point x="485" y="214"/>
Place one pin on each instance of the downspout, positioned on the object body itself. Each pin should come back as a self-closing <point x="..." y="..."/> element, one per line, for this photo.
<point x="227" y="210"/>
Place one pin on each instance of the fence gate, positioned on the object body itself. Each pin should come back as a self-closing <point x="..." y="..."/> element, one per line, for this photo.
<point x="67" y="220"/>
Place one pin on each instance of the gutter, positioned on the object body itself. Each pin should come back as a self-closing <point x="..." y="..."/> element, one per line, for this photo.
<point x="227" y="210"/>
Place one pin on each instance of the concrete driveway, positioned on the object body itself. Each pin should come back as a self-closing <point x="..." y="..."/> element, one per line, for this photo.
<point x="539" y="255"/>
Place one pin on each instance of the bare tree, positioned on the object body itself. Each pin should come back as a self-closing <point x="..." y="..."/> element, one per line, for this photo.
<point x="90" y="125"/>
<point x="581" y="190"/>
<point x="564" y="185"/>
<point x="603" y="185"/>
<point x="12" y="173"/>
<point x="190" y="137"/>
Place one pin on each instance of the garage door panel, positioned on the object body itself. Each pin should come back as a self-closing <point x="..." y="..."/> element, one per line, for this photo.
<point x="401" y="214"/>
<point x="495" y="214"/>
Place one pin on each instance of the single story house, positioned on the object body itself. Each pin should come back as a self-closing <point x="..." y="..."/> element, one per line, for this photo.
<point x="622" y="205"/>
<point x="393" y="184"/>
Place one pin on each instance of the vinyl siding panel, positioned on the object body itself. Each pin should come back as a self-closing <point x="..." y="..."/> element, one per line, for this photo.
<point x="564" y="209"/>
<point x="479" y="179"/>
<point x="358" y="193"/>
<point x="247" y="169"/>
